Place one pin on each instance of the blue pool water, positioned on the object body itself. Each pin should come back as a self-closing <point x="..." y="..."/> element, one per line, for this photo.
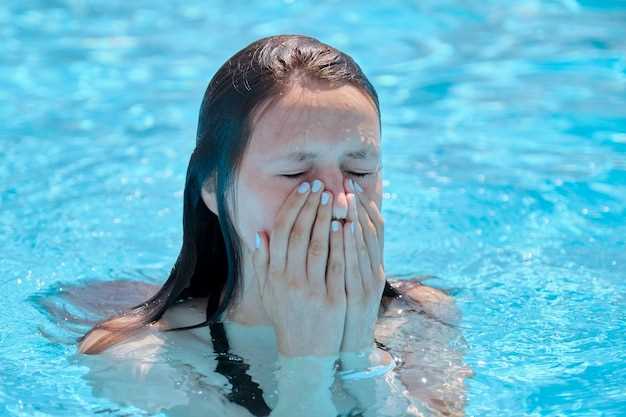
<point x="504" y="153"/>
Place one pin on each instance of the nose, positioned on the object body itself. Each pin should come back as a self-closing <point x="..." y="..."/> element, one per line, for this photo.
<point x="337" y="184"/>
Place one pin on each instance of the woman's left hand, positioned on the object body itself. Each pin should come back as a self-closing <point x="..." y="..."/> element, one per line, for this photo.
<point x="364" y="269"/>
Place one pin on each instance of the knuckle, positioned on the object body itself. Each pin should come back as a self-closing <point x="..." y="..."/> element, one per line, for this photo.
<point x="336" y="302"/>
<point x="297" y="232"/>
<point x="335" y="267"/>
<point x="316" y="248"/>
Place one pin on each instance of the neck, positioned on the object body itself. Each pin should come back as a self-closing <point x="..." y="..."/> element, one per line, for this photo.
<point x="249" y="310"/>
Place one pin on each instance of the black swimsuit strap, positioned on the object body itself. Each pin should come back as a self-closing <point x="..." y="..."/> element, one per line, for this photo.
<point x="245" y="392"/>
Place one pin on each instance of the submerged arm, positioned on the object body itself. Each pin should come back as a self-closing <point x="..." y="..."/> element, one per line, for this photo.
<point x="304" y="387"/>
<point x="433" y="372"/>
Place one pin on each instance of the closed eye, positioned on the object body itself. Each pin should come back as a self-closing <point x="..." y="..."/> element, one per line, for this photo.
<point x="358" y="174"/>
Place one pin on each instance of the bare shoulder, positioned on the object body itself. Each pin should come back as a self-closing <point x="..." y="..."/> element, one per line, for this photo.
<point x="432" y="301"/>
<point x="149" y="339"/>
<point x="185" y="313"/>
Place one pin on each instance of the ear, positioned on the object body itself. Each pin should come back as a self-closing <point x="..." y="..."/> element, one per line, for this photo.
<point x="208" y="196"/>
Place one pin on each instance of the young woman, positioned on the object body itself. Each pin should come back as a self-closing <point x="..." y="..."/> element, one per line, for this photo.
<point x="282" y="253"/>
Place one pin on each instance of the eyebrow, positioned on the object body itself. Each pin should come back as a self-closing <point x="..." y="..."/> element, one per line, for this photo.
<point x="300" y="156"/>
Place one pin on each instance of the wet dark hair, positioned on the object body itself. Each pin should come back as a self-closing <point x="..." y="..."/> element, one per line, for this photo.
<point x="209" y="261"/>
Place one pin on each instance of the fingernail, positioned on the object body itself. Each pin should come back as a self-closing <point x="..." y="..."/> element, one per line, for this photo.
<point x="257" y="240"/>
<point x="335" y="225"/>
<point x="304" y="187"/>
<point x="317" y="185"/>
<point x="325" y="197"/>
<point x="352" y="227"/>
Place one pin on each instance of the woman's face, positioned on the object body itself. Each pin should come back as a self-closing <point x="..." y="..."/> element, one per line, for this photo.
<point x="331" y="134"/>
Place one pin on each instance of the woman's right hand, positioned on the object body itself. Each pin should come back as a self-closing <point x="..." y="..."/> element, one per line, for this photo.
<point x="304" y="297"/>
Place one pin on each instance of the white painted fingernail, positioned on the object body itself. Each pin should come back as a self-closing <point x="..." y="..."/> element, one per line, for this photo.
<point x="352" y="227"/>
<point x="317" y="185"/>
<point x="304" y="187"/>
<point x="257" y="241"/>
<point x="335" y="225"/>
<point x="325" y="197"/>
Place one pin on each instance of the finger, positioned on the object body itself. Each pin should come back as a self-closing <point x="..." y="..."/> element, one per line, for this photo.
<point x="361" y="248"/>
<point x="335" y="269"/>
<point x="279" y="236"/>
<point x="375" y="216"/>
<point x="318" y="247"/>
<point x="354" y="283"/>
<point x="369" y="235"/>
<point x="351" y="215"/>
<point x="300" y="235"/>
<point x="371" y="208"/>
<point x="259" y="260"/>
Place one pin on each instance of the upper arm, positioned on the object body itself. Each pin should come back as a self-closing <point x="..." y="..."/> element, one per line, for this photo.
<point x="431" y="301"/>
<point x="432" y="372"/>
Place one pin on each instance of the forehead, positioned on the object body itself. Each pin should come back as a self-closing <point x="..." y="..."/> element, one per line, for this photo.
<point x="327" y="122"/>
